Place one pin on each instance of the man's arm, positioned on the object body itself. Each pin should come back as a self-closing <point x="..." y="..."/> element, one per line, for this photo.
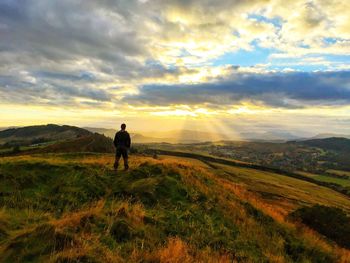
<point x="128" y="142"/>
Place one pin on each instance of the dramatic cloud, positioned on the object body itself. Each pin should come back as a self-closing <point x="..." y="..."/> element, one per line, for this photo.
<point x="125" y="55"/>
<point x="273" y="89"/>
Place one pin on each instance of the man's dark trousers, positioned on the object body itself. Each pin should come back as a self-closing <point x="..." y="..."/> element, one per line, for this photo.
<point x="121" y="151"/>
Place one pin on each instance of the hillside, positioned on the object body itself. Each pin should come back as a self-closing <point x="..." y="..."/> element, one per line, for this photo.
<point x="40" y="134"/>
<point x="330" y="135"/>
<point x="90" y="143"/>
<point x="106" y="132"/>
<point x="334" y="143"/>
<point x="271" y="136"/>
<point x="139" y="138"/>
<point x="74" y="208"/>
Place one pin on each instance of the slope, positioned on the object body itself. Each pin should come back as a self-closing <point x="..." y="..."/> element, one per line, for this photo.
<point x="73" y="208"/>
<point x="39" y="134"/>
<point x="90" y="143"/>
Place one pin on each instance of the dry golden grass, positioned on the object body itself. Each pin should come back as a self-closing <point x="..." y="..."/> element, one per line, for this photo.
<point x="230" y="196"/>
<point x="177" y="251"/>
<point x="135" y="212"/>
<point x="278" y="213"/>
<point x="344" y="255"/>
<point x="87" y="248"/>
<point x="74" y="219"/>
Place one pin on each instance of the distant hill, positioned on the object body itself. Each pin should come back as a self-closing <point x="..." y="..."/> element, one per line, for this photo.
<point x="40" y="133"/>
<point x="330" y="135"/>
<point x="334" y="143"/>
<point x="5" y="128"/>
<point x="192" y="136"/>
<point x="56" y="138"/>
<point x="271" y="136"/>
<point x="90" y="143"/>
<point x="107" y="132"/>
<point x="186" y="136"/>
<point x="139" y="138"/>
<point x="135" y="137"/>
<point x="174" y="136"/>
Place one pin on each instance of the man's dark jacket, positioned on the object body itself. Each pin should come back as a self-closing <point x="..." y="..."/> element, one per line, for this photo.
<point x="122" y="139"/>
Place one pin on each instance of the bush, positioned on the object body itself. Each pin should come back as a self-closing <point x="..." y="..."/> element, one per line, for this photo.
<point x="16" y="149"/>
<point x="331" y="222"/>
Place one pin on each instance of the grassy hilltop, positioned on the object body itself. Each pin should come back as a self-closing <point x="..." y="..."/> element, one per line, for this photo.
<point x="74" y="208"/>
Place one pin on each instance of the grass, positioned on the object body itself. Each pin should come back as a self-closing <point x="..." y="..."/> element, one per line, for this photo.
<point x="323" y="178"/>
<point x="329" y="179"/>
<point x="339" y="172"/>
<point x="283" y="192"/>
<point x="74" y="208"/>
<point x="5" y="150"/>
<point x="331" y="222"/>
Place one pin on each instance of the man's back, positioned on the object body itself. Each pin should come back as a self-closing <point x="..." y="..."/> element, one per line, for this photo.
<point x="122" y="139"/>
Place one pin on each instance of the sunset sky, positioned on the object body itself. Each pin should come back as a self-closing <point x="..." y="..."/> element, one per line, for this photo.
<point x="229" y="66"/>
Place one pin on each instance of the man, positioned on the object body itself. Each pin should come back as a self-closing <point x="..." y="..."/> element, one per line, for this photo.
<point x="122" y="143"/>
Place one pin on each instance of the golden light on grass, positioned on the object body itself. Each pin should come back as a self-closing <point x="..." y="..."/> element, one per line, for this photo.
<point x="236" y="192"/>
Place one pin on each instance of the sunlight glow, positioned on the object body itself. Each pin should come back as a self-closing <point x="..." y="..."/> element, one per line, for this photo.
<point x="176" y="61"/>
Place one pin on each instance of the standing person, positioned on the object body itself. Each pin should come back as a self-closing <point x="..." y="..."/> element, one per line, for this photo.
<point x="122" y="143"/>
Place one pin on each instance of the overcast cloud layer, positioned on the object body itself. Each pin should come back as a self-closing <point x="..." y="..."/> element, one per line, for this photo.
<point x="120" y="54"/>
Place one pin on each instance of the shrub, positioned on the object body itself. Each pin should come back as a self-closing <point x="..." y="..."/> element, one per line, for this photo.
<point x="331" y="222"/>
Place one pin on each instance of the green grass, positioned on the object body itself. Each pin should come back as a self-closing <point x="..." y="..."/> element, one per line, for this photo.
<point x="5" y="150"/>
<point x="339" y="172"/>
<point x="323" y="178"/>
<point x="331" y="222"/>
<point x="74" y="208"/>
<point x="26" y="148"/>
<point x="289" y="193"/>
<point x="329" y="179"/>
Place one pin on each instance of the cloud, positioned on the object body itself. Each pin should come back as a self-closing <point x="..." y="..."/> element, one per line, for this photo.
<point x="32" y="92"/>
<point x="126" y="54"/>
<point x="286" y="90"/>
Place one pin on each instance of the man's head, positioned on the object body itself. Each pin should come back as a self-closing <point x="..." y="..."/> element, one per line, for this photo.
<point x="123" y="126"/>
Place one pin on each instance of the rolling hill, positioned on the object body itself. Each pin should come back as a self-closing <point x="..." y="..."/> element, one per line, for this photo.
<point x="40" y="133"/>
<point x="89" y="143"/>
<point x="186" y="136"/>
<point x="63" y="202"/>
<point x="333" y="143"/>
<point x="106" y="132"/>
<point x="272" y="136"/>
<point x="174" y="136"/>
<point x="136" y="137"/>
<point x="54" y="139"/>
<point x="75" y="208"/>
<point x="330" y="135"/>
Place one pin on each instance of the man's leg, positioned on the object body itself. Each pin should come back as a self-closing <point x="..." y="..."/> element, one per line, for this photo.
<point x="117" y="158"/>
<point x="125" y="158"/>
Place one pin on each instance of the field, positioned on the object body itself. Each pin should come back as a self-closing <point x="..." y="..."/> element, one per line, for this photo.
<point x="330" y="179"/>
<point x="75" y="208"/>
<point x="282" y="191"/>
<point x="339" y="172"/>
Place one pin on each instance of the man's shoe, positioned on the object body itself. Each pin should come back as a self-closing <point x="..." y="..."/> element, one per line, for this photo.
<point x="126" y="168"/>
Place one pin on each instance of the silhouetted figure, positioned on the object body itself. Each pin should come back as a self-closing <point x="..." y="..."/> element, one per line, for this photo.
<point x="122" y="143"/>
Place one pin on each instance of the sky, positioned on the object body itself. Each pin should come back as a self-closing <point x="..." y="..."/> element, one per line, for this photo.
<point x="228" y="66"/>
